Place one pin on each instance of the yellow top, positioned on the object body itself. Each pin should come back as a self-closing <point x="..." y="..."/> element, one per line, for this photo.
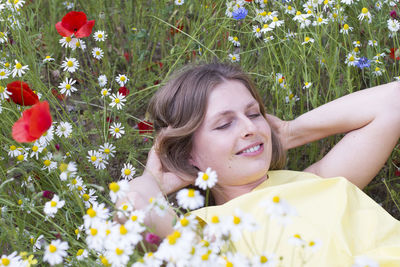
<point x="335" y="222"/>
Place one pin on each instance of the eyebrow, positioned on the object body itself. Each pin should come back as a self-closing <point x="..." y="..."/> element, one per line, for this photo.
<point x="225" y="112"/>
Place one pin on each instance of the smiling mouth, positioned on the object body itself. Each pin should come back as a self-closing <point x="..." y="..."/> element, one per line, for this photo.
<point x="251" y="149"/>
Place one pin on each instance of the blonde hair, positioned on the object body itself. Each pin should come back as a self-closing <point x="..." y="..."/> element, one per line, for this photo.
<point x="179" y="108"/>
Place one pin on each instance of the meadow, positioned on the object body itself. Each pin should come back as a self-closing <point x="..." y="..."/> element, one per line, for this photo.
<point x="87" y="69"/>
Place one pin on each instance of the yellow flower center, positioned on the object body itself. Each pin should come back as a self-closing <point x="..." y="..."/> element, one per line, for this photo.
<point x="127" y="171"/>
<point x="80" y="188"/>
<point x="134" y="218"/>
<point x="117" y="100"/>
<point x="93" y="231"/>
<point x="263" y="13"/>
<point x="280" y="80"/>
<point x="326" y="2"/>
<point x="122" y="78"/>
<point x="107" y="151"/>
<point x="346" y="26"/>
<point x="334" y="15"/>
<point x="114" y="187"/>
<point x="20" y="157"/>
<point x="276" y="199"/>
<point x="93" y="158"/>
<point x="297" y="236"/>
<point x="104" y="261"/>
<point x="377" y="69"/>
<point x="100" y="35"/>
<point x="123" y="230"/>
<point x="236" y="220"/>
<point x="91" y="212"/>
<point x="47" y="162"/>
<point x="19" y="202"/>
<point x="319" y="19"/>
<point x="79" y="252"/>
<point x="6" y="64"/>
<point x="364" y="10"/>
<point x="258" y="30"/>
<point x="2" y="73"/>
<point x="266" y="26"/>
<point x="68" y="39"/>
<point x="85" y="197"/>
<point x="5" y="261"/>
<point x="184" y="222"/>
<point x="311" y="243"/>
<point x="35" y="148"/>
<point x="229" y="264"/>
<point x="351" y="58"/>
<point x="78" y="44"/>
<point x="53" y="203"/>
<point x="119" y="251"/>
<point x="190" y="193"/>
<point x="76" y="231"/>
<point x="52" y="248"/>
<point x="204" y="257"/>
<point x="98" y="53"/>
<point x="289" y="7"/>
<point x="235" y="38"/>
<point x="173" y="237"/>
<point x="307" y="39"/>
<point x="12" y="148"/>
<point x="68" y="86"/>
<point x="263" y="259"/>
<point x="47" y="57"/>
<point x="275" y="19"/>
<point x="298" y="13"/>
<point x="215" y="219"/>
<point x="116" y="130"/>
<point x="70" y="63"/>
<point x="105" y="92"/>
<point x="233" y="58"/>
<point x="205" y="177"/>
<point x="18" y="66"/>
<point x="356" y="49"/>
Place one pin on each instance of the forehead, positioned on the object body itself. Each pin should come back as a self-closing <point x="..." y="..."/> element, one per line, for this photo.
<point x="230" y="95"/>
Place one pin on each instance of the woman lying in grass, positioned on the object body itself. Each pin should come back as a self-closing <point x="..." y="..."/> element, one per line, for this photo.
<point x="211" y="116"/>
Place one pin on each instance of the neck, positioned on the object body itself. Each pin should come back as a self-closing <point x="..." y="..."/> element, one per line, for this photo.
<point x="224" y="193"/>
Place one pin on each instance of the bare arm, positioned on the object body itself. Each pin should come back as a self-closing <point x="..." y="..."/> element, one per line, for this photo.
<point x="371" y="119"/>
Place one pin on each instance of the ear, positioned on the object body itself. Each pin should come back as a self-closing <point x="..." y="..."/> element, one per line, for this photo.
<point x="193" y="162"/>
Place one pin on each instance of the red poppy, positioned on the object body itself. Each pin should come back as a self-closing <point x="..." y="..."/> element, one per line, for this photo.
<point x="123" y="91"/>
<point x="58" y="95"/>
<point x="75" y="23"/>
<point x="22" y="94"/>
<point x="394" y="53"/>
<point x="33" y="123"/>
<point x="145" y="127"/>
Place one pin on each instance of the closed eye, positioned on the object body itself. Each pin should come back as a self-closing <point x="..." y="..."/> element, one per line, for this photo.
<point x="226" y="125"/>
<point x="255" y="115"/>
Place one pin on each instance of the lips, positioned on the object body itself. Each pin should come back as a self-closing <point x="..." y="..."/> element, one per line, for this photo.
<point x="250" y="148"/>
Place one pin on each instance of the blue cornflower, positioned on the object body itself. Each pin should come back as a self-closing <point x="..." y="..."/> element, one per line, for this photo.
<point x="363" y="62"/>
<point x="239" y="13"/>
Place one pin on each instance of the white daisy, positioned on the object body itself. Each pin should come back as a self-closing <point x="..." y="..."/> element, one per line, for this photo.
<point x="117" y="100"/>
<point x="234" y="40"/>
<point x="19" y="70"/>
<point x="102" y="80"/>
<point x="4" y="73"/>
<point x="100" y="36"/>
<point x="179" y="2"/>
<point x="65" y="42"/>
<point x="118" y="190"/>
<point x="108" y="150"/>
<point x="190" y="199"/>
<point x="97" y="53"/>
<point x="128" y="171"/>
<point x="234" y="57"/>
<point x="117" y="130"/>
<point x="66" y="87"/>
<point x="70" y="64"/>
<point x="55" y="252"/>
<point x="48" y="59"/>
<point x="393" y="25"/>
<point x="4" y="94"/>
<point x="206" y="179"/>
<point x="365" y="14"/>
<point x="121" y="79"/>
<point x="278" y="209"/>
<point x="51" y="207"/>
<point x="64" y="129"/>
<point x="105" y="92"/>
<point x="77" y="43"/>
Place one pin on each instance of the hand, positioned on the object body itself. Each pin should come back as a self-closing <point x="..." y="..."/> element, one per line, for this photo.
<point x="167" y="181"/>
<point x="281" y="129"/>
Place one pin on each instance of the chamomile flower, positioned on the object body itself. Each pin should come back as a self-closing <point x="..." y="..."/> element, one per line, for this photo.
<point x="291" y="97"/>
<point x="81" y="254"/>
<point x="276" y="22"/>
<point x="11" y="260"/>
<point x="118" y="254"/>
<point x="264" y="260"/>
<point x="159" y="204"/>
<point x="97" y="53"/>
<point x="313" y="245"/>
<point x="307" y="85"/>
<point x="19" y="70"/>
<point x="280" y="79"/>
<point x="268" y="38"/>
<point x="4" y="73"/>
<point x="66" y="87"/>
<point x="290" y="10"/>
<point x="36" y="149"/>
<point x="238" y="222"/>
<point x="296" y="240"/>
<point x="95" y="235"/>
<point x="3" y="37"/>
<point x="393" y="25"/>
<point x="365" y="14"/>
<point x="307" y="40"/>
<point x="319" y="21"/>
<point x="124" y="210"/>
<point x="234" y="40"/>
<point x="75" y="183"/>
<point x="89" y="198"/>
<point x="96" y="213"/>
<point x="186" y="223"/>
<point x="48" y="59"/>
<point x="77" y="43"/>
<point x="378" y="5"/>
<point x="234" y="57"/>
<point x="121" y="79"/>
<point x="64" y="129"/>
<point x="51" y="207"/>
<point x="351" y="59"/>
<point x="279" y="209"/>
<point x="70" y="64"/>
<point x="117" y="100"/>
<point x="190" y="199"/>
<point x="206" y="179"/>
<point x="48" y="164"/>
<point x="373" y="42"/>
<point x="118" y="190"/>
<point x="266" y="28"/>
<point x="105" y="92"/>
<point x="257" y="31"/>
<point x="378" y="71"/>
<point x="67" y="170"/>
<point x="179" y="2"/>
<point x="4" y="93"/>
<point x="100" y="36"/>
<point x="128" y="171"/>
<point x="108" y="150"/>
<point x="102" y="80"/>
<point x="117" y="130"/>
<point x="65" y="41"/>
<point x="55" y="252"/>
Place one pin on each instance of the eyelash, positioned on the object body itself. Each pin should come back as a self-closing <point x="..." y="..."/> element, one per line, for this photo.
<point x="253" y="116"/>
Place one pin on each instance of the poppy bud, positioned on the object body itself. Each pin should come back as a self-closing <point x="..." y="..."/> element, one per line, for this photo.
<point x="22" y="94"/>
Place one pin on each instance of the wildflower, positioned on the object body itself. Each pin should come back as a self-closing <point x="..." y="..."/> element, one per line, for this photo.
<point x="276" y="22"/>
<point x="257" y="31"/>
<point x="11" y="260"/>
<point x="36" y="149"/>
<point x="238" y="222"/>
<point x="95" y="235"/>
<point x="123" y="91"/>
<point x="100" y="36"/>
<point x="97" y="53"/>
<point x="264" y="260"/>
<point x="108" y="150"/>
<point x="394" y="53"/>
<point x="118" y="190"/>
<point x="266" y="28"/>
<point x="117" y="100"/>
<point x="268" y="38"/>
<point x="96" y="213"/>
<point x="89" y="198"/>
<point x="378" y="71"/>
<point x="102" y="80"/>
<point x="190" y="199"/>
<point x="278" y="209"/>
<point x="351" y="59"/>
<point x="152" y="238"/>
<point x="393" y="14"/>
<point x="4" y="73"/>
<point x="281" y="80"/>
<point x="4" y="93"/>
<point x="319" y="21"/>
<point x="47" y="137"/>
<point x="206" y="179"/>
<point x="124" y="209"/>
<point x="176" y="241"/>
<point x="307" y="40"/>
<point x="372" y="43"/>
<point x="51" y="207"/>
<point x="81" y="254"/>
<point x="179" y="2"/>
<point x="307" y="85"/>
<point x="19" y="70"/>
<point x="135" y="221"/>
<point x="145" y="127"/>
<point x="159" y="204"/>
<point x="234" y="40"/>
<point x="64" y="129"/>
<point x="239" y="13"/>
<point x="365" y="14"/>
<point x="48" y="163"/>
<point x="105" y="92"/>
<point x="364" y="261"/>
<point x="117" y="130"/>
<point x="65" y="42"/>
<point x="345" y="29"/>
<point x="234" y="259"/>
<point x="75" y="23"/>
<point x="22" y="94"/>
<point x="3" y="37"/>
<point x="121" y="79"/>
<point x="48" y="59"/>
<point x="313" y="245"/>
<point x="363" y="62"/>
<point x="70" y="64"/>
<point x="77" y="43"/>
<point x="378" y="5"/>
<point x="290" y="10"/>
<point x="234" y="57"/>
<point x="291" y="97"/>
<point x="117" y="253"/>
<point x="128" y="171"/>
<point x="66" y="87"/>
<point x="33" y="123"/>
<point x="296" y="240"/>
<point x="393" y="25"/>
<point x="67" y="170"/>
<point x="68" y="5"/>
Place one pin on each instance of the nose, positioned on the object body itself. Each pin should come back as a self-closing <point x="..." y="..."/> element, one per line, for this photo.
<point x="248" y="127"/>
